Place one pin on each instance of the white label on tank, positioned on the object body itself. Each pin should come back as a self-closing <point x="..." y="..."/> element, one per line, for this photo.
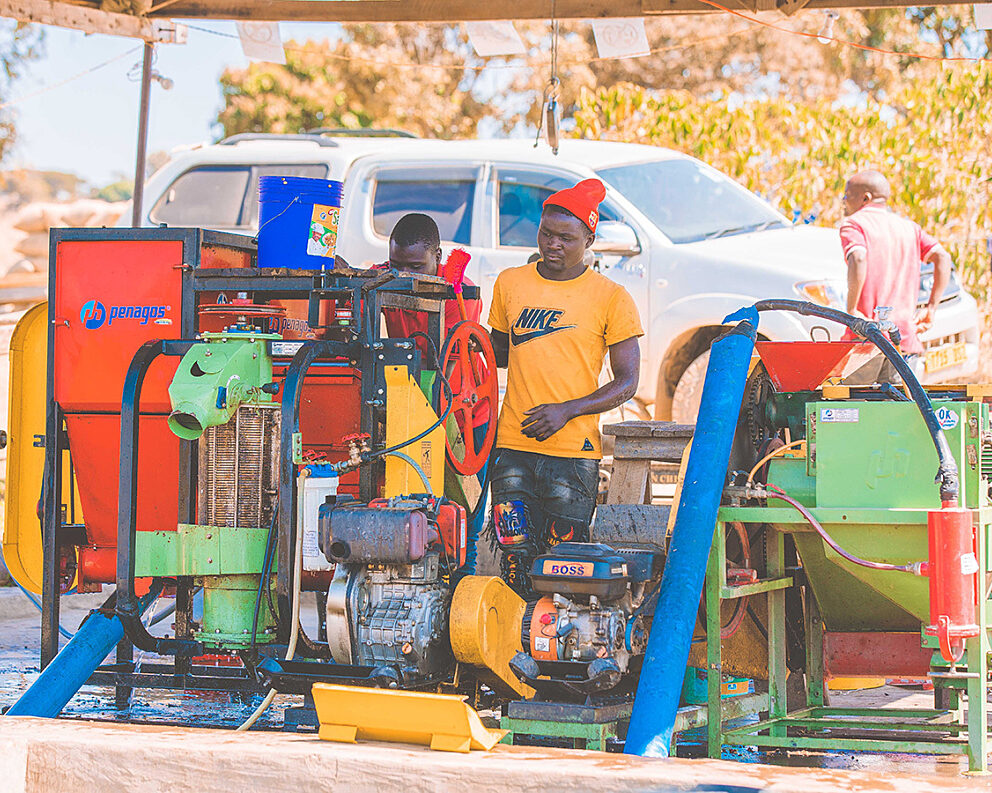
<point x="969" y="564"/>
<point x="947" y="418"/>
<point x="840" y="415"/>
<point x="542" y="644"/>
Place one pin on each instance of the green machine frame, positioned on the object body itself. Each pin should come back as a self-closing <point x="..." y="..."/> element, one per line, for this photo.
<point x="843" y="597"/>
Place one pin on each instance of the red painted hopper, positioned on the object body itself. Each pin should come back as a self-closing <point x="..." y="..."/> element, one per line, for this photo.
<point x="804" y="365"/>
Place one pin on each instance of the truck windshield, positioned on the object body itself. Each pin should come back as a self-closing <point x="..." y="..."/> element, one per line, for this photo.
<point x="689" y="201"/>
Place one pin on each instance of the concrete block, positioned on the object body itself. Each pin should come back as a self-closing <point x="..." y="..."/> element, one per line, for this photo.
<point x="62" y="756"/>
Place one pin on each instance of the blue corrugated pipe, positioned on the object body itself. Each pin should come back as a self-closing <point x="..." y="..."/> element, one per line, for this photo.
<point x="660" y="685"/>
<point x="72" y="667"/>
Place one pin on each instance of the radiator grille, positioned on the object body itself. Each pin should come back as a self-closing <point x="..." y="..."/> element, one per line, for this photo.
<point x="238" y="471"/>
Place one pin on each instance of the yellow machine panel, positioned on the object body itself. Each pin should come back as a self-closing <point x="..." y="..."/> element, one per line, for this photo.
<point x="408" y="413"/>
<point x="22" y="546"/>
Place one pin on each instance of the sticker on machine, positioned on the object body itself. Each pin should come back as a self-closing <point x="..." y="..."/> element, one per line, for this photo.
<point x="542" y="644"/>
<point x="946" y="417"/>
<point x="840" y="415"/>
<point x="969" y="564"/>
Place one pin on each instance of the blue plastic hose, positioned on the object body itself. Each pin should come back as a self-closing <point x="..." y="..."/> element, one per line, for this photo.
<point x="660" y="685"/>
<point x="72" y="667"/>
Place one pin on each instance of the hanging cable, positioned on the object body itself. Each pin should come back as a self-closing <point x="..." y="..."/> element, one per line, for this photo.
<point x="294" y="634"/>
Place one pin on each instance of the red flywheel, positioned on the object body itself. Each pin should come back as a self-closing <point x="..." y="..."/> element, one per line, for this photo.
<point x="469" y="361"/>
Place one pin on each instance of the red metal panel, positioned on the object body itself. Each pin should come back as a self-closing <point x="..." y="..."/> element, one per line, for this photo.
<point x="95" y="442"/>
<point x="877" y="654"/>
<point x="330" y="408"/>
<point x="111" y="296"/>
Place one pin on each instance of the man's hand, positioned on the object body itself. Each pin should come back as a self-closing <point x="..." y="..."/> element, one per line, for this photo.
<point x="924" y="318"/>
<point x="544" y="421"/>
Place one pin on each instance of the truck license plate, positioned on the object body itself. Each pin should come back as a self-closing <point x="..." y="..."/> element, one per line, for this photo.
<point x="943" y="357"/>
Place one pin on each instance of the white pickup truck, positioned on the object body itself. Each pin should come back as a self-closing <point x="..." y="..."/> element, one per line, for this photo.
<point x="690" y="244"/>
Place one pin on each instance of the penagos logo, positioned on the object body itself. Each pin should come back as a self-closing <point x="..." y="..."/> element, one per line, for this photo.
<point x="536" y="322"/>
<point x="93" y="314"/>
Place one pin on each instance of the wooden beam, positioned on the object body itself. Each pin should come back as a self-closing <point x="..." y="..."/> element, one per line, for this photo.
<point x="470" y="10"/>
<point x="92" y="20"/>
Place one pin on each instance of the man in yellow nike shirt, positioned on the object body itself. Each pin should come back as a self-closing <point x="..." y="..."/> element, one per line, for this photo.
<point x="553" y="322"/>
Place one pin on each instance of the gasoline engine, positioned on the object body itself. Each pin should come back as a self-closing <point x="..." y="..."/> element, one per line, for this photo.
<point x="589" y="627"/>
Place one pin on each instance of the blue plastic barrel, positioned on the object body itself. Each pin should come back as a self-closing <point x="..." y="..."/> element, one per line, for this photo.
<point x="298" y="222"/>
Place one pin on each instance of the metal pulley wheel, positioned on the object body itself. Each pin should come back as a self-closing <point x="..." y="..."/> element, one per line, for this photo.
<point x="469" y="362"/>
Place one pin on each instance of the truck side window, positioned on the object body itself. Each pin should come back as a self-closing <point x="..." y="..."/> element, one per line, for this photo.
<point x="209" y="196"/>
<point x="447" y="197"/>
<point x="521" y="200"/>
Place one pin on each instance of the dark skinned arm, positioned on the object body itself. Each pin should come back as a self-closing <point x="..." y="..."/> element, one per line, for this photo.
<point x="543" y="421"/>
<point x="501" y="346"/>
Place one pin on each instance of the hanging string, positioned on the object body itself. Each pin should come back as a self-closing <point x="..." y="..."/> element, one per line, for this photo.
<point x="682" y="45"/>
<point x="827" y="37"/>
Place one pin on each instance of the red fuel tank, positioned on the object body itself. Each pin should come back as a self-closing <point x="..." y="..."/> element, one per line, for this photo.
<point x="953" y="570"/>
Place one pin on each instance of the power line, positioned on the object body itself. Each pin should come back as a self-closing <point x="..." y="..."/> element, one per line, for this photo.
<point x="67" y="80"/>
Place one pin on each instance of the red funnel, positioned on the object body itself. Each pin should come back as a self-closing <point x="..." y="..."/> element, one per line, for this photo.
<point x="804" y="365"/>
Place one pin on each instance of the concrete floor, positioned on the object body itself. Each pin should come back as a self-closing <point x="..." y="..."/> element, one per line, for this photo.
<point x="20" y="642"/>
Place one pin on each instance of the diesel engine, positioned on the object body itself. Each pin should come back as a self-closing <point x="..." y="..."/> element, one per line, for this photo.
<point x="388" y="602"/>
<point x="583" y="634"/>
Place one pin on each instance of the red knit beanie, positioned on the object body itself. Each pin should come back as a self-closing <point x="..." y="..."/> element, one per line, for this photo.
<point x="582" y="201"/>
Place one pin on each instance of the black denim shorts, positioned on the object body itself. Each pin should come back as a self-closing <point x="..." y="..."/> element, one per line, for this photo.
<point x="559" y="493"/>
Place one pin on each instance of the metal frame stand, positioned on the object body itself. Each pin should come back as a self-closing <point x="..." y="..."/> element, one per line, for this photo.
<point x="817" y="726"/>
<point x="364" y="349"/>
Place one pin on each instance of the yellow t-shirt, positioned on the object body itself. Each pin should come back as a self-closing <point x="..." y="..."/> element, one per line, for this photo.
<point x="559" y="334"/>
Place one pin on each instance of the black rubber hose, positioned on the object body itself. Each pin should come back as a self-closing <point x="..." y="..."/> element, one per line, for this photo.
<point x="441" y="419"/>
<point x="947" y="471"/>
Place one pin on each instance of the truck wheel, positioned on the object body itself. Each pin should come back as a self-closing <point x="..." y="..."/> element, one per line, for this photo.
<point x="689" y="389"/>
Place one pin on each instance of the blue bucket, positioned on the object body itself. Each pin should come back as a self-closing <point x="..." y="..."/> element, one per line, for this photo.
<point x="298" y="222"/>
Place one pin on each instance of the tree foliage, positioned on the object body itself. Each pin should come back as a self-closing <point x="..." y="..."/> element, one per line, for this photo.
<point x="932" y="138"/>
<point x="19" y="43"/>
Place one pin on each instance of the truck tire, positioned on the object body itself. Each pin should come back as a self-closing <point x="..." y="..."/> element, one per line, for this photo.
<point x="688" y="390"/>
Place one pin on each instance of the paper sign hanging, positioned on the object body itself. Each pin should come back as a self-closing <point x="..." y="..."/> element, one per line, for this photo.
<point x="983" y="16"/>
<point x="261" y="41"/>
<point x="620" y="38"/>
<point x="494" y="38"/>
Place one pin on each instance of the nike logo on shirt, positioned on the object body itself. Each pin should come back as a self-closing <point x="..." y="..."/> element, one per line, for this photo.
<point x="534" y="323"/>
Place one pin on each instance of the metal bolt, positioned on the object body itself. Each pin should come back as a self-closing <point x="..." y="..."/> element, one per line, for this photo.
<point x="210" y="560"/>
<point x="382" y="357"/>
<point x="210" y="536"/>
<point x="206" y="353"/>
<point x="409" y="357"/>
<point x="380" y="391"/>
<point x="216" y="630"/>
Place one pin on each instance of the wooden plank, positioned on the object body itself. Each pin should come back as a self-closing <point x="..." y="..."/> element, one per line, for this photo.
<point x="467" y="10"/>
<point x="629" y="482"/>
<point x="649" y="429"/>
<point x="663" y="449"/>
<point x="90" y="19"/>
<point x="643" y="524"/>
